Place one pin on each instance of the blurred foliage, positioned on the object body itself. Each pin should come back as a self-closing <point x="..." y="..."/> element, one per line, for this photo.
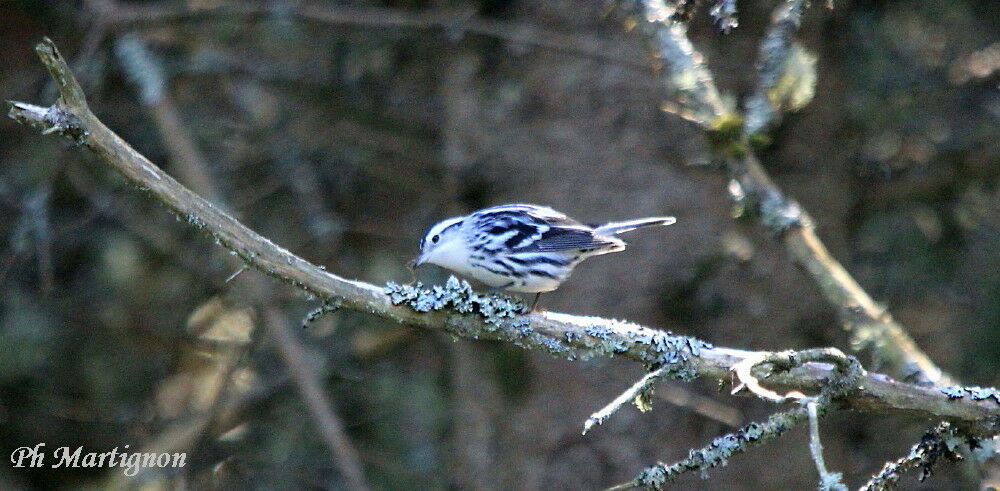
<point x="338" y="141"/>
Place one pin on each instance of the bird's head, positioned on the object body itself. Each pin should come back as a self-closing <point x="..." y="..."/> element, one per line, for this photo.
<point x="443" y="244"/>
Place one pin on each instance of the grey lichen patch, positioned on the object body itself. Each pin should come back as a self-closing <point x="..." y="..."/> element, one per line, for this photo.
<point x="458" y="296"/>
<point x="550" y="345"/>
<point x="501" y="314"/>
<point x="974" y="393"/>
<point x="523" y="328"/>
<point x="665" y="348"/>
<point x="724" y="13"/>
<point x="597" y="331"/>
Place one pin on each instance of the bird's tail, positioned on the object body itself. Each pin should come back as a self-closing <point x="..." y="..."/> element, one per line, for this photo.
<point x="615" y="228"/>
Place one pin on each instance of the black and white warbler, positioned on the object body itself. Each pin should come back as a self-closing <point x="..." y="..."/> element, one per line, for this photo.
<point x="521" y="248"/>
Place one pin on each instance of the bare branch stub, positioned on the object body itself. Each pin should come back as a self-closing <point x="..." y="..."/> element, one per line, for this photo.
<point x="643" y="386"/>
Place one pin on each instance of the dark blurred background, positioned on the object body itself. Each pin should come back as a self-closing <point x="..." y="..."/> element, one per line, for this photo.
<point x="341" y="130"/>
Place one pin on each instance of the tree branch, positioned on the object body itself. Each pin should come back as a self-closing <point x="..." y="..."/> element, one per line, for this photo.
<point x="941" y="441"/>
<point x="719" y="451"/>
<point x="691" y="93"/>
<point x="454" y="24"/>
<point x="331" y="428"/>
<point x="869" y="323"/>
<point x="454" y="308"/>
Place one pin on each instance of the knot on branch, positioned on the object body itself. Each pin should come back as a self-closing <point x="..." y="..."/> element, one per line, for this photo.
<point x="848" y="371"/>
<point x="63" y="116"/>
<point x="51" y="119"/>
<point x="776" y="212"/>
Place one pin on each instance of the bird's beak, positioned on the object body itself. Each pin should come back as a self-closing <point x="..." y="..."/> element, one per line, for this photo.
<point x="417" y="261"/>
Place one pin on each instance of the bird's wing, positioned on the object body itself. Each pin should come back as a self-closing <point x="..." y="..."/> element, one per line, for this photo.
<point x="568" y="238"/>
<point x="531" y="228"/>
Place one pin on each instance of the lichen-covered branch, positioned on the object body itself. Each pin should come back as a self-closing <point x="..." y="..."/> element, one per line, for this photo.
<point x="690" y="90"/>
<point x="845" y="380"/>
<point x="785" y="360"/>
<point x="870" y="323"/>
<point x="719" y="451"/>
<point x="455" y="308"/>
<point x="776" y="56"/>
<point x="939" y="442"/>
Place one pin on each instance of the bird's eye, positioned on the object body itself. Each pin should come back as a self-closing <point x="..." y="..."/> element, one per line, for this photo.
<point x="436" y="239"/>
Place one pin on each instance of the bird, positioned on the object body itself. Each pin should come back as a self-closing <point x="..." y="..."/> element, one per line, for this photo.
<point x="521" y="248"/>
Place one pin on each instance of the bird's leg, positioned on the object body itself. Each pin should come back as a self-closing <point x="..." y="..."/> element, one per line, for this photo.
<point x="535" y="302"/>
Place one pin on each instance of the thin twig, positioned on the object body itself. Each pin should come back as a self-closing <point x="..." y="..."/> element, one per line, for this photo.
<point x="828" y="481"/>
<point x="326" y="308"/>
<point x="330" y="426"/>
<point x="630" y="394"/>
<point x="845" y="381"/>
<point x="453" y="24"/>
<point x="775" y="54"/>
<point x="685" y="79"/>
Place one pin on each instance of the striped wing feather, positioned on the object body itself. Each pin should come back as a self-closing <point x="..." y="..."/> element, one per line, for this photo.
<point x="558" y="239"/>
<point x="531" y="228"/>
